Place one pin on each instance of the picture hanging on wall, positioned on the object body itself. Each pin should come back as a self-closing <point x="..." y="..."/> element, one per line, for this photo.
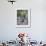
<point x="23" y="17"/>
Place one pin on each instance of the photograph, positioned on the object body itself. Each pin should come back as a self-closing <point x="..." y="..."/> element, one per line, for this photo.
<point x="23" y="17"/>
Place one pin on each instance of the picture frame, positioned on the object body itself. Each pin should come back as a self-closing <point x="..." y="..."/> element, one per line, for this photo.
<point x="23" y="17"/>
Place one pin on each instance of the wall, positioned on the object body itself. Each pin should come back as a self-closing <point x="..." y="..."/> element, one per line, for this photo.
<point x="8" y="30"/>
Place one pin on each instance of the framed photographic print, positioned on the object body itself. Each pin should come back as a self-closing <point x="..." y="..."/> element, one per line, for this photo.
<point x="23" y="17"/>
